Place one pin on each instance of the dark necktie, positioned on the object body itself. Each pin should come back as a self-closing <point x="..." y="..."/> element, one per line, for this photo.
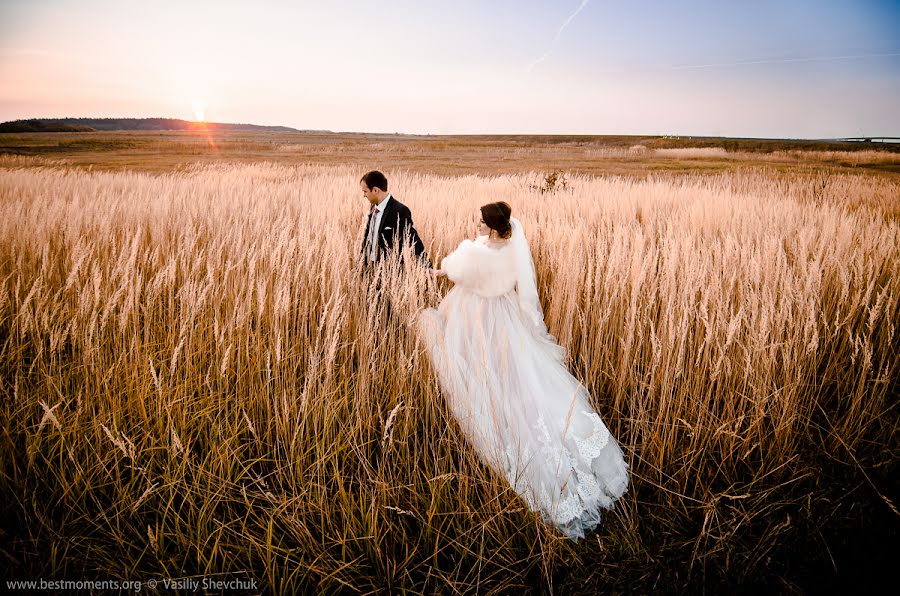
<point x="372" y="231"/>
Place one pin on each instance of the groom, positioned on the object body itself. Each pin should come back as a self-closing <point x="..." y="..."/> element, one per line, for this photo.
<point x="389" y="222"/>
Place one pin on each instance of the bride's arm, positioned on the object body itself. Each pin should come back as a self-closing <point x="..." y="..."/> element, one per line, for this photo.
<point x="461" y="266"/>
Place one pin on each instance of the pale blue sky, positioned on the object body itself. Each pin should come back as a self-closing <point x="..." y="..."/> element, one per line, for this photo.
<point x="784" y="68"/>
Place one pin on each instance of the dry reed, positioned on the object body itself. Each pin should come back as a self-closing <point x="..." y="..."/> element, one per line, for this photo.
<point x="195" y="377"/>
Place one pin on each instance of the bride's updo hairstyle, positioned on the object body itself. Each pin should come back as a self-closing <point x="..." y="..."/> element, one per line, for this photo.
<point x="496" y="217"/>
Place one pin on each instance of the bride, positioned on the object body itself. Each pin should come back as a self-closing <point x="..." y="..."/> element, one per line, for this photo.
<point x="505" y="380"/>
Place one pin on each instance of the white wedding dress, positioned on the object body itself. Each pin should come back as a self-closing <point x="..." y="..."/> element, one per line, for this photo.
<point x="506" y="382"/>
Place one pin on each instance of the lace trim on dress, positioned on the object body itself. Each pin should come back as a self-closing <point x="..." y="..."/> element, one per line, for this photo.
<point x="575" y="508"/>
<point x="593" y="445"/>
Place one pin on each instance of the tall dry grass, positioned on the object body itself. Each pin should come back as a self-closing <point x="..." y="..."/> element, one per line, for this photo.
<point x="849" y="157"/>
<point x="195" y="378"/>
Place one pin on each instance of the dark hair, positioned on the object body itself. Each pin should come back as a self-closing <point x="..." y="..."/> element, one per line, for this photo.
<point x="374" y="179"/>
<point x="496" y="217"/>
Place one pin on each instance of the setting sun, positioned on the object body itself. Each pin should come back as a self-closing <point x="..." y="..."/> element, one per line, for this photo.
<point x="200" y="110"/>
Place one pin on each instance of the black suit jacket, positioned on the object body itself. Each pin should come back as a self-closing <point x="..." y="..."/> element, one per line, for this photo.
<point x="396" y="225"/>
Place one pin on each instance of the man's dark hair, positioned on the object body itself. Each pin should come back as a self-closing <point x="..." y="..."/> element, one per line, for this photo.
<point x="375" y="179"/>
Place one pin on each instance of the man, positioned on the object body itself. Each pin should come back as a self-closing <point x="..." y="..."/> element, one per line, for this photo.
<point x="389" y="222"/>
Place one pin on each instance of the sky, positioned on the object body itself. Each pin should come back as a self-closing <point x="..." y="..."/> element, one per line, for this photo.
<point x="762" y="68"/>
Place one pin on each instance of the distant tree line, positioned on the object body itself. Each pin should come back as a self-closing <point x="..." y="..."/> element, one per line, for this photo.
<point x="110" y="124"/>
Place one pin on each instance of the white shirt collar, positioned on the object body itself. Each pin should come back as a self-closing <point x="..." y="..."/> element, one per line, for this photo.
<point x="383" y="203"/>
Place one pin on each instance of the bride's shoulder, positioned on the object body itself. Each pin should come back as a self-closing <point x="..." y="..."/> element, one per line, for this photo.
<point x="485" y="243"/>
<point x="472" y="245"/>
<point x="472" y="250"/>
<point x="479" y="247"/>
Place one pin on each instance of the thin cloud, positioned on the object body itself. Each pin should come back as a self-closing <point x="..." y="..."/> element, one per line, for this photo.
<point x="569" y="20"/>
<point x="781" y="61"/>
<point x="559" y="31"/>
<point x="543" y="57"/>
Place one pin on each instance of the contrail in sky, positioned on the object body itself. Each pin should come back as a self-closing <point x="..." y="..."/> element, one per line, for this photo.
<point x="782" y="61"/>
<point x="558" y="33"/>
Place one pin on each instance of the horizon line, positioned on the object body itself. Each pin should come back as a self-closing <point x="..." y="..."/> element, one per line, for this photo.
<point x="846" y="138"/>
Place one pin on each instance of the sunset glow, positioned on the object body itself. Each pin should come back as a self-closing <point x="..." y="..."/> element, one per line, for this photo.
<point x="200" y="110"/>
<point x="810" y="68"/>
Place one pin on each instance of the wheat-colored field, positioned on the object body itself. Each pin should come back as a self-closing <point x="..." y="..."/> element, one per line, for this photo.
<point x="631" y="156"/>
<point x="194" y="380"/>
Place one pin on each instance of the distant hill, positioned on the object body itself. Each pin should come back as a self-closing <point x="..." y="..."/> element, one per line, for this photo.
<point x="144" y="124"/>
<point x="43" y="126"/>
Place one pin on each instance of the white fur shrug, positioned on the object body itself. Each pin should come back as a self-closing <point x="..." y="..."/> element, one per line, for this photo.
<point x="481" y="269"/>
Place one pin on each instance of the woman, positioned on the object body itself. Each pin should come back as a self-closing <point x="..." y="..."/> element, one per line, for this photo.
<point x="506" y="383"/>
